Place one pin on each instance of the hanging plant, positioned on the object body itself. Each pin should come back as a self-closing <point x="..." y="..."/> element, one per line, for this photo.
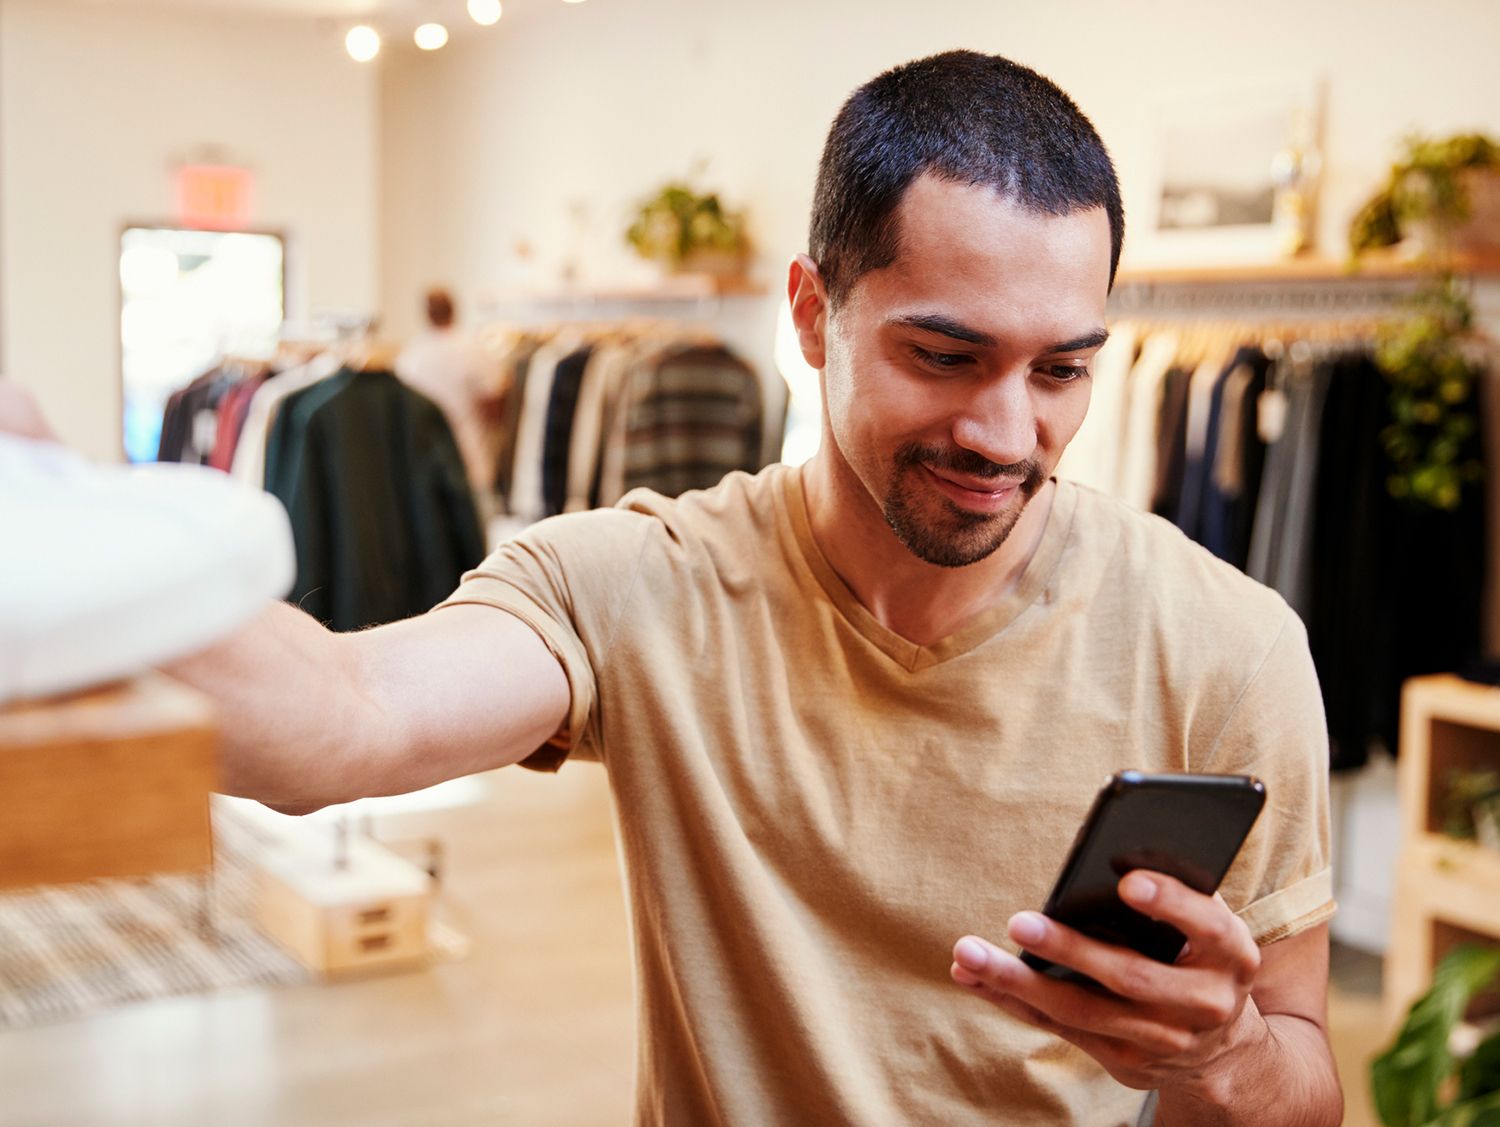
<point x="1427" y="361"/>
<point x="678" y="225"/>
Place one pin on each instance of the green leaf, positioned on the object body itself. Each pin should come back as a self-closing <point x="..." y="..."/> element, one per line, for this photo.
<point x="1405" y="1079"/>
<point x="1480" y="1074"/>
<point x="1481" y="1112"/>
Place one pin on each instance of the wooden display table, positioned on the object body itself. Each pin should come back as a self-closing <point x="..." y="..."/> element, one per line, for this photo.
<point x="1447" y="891"/>
<point x="109" y="783"/>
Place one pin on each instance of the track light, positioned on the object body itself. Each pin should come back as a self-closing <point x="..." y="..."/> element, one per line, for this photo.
<point x="431" y="36"/>
<point x="484" y="12"/>
<point x="362" y="43"/>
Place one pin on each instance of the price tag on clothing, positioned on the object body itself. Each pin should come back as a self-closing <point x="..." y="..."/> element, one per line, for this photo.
<point x="205" y="433"/>
<point x="1271" y="414"/>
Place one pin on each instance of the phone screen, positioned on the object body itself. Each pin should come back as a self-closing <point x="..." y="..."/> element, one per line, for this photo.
<point x="1188" y="826"/>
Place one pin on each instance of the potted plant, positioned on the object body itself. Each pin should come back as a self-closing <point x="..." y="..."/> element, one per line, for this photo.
<point x="1418" y="1081"/>
<point x="689" y="231"/>
<point x="1442" y="195"/>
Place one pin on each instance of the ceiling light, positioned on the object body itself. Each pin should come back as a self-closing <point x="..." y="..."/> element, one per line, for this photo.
<point x="485" y="12"/>
<point x="572" y="1"/>
<point x="362" y="43"/>
<point x="431" y="36"/>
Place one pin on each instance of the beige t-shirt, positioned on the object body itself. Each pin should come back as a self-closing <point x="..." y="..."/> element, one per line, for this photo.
<point x="812" y="809"/>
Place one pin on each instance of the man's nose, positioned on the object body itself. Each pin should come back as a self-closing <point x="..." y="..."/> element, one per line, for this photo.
<point x="1000" y="421"/>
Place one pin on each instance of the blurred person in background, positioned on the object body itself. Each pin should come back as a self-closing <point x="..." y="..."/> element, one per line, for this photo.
<point x="448" y="366"/>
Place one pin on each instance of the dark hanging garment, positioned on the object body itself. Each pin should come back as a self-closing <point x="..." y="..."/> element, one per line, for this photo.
<point x="173" y="429"/>
<point x="1349" y="630"/>
<point x="190" y="422"/>
<point x="562" y="403"/>
<point x="382" y="516"/>
<point x="1233" y="480"/>
<point x="1396" y="587"/>
<point x="1171" y="443"/>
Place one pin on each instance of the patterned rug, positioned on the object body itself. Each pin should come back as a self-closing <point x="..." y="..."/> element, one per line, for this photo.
<point x="78" y="949"/>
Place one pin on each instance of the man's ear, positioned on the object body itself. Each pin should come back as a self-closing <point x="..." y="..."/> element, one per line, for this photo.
<point x="809" y="301"/>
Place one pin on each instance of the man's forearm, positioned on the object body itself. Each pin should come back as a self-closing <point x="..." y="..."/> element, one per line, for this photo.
<point x="1284" y="1078"/>
<point x="310" y="717"/>
<point x="291" y="714"/>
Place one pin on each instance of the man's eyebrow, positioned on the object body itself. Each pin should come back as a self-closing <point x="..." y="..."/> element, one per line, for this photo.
<point x="944" y="327"/>
<point x="957" y="330"/>
<point x="1089" y="340"/>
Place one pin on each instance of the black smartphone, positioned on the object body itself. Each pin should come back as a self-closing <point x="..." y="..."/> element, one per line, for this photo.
<point x="1188" y="826"/>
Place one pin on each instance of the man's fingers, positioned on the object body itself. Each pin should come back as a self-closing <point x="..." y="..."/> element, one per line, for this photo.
<point x="1215" y="935"/>
<point x="983" y="967"/>
<point x="1201" y="997"/>
<point x="1089" y="1042"/>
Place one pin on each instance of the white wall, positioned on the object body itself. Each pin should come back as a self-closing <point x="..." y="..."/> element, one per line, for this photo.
<point x="1366" y="824"/>
<point x="493" y="140"/>
<point x="96" y="104"/>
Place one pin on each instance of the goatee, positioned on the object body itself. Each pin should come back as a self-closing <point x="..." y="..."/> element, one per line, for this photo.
<point x="955" y="537"/>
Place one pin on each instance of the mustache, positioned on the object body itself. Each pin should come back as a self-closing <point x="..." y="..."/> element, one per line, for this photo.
<point x="968" y="462"/>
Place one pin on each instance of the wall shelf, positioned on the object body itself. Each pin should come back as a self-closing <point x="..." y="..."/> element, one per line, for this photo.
<point x="1369" y="268"/>
<point x="669" y="289"/>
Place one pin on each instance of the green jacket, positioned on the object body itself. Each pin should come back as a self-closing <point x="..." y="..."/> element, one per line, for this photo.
<point x="382" y="516"/>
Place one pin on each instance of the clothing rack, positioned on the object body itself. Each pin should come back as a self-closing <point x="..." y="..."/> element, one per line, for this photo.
<point x="596" y="407"/>
<point x="1250" y="414"/>
<point x="366" y="467"/>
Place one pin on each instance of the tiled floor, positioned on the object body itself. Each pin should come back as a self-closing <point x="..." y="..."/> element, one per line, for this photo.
<point x="533" y="1028"/>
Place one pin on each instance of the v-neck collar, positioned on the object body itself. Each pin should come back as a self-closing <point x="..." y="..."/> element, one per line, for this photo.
<point x="911" y="656"/>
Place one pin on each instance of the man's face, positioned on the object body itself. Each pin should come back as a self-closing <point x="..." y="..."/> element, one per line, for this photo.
<point x="956" y="376"/>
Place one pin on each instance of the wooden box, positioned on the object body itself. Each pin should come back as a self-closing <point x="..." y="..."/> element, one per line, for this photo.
<point x="368" y="914"/>
<point x="109" y="783"/>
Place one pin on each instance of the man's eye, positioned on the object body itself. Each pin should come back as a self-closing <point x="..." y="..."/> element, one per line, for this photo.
<point x="1066" y="373"/>
<point x="944" y="361"/>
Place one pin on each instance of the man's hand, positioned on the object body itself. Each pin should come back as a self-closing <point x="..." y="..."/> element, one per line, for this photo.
<point x="1160" y="1026"/>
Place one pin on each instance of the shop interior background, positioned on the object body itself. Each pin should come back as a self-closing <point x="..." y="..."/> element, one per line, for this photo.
<point x="509" y="162"/>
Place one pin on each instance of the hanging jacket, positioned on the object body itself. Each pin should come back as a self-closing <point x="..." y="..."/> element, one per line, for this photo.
<point x="690" y="416"/>
<point x="382" y="515"/>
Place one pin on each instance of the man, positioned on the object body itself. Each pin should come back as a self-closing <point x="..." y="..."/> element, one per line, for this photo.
<point x="854" y="713"/>
<point x="452" y="371"/>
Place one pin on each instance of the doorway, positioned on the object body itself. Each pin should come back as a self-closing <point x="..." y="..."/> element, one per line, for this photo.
<point x="189" y="298"/>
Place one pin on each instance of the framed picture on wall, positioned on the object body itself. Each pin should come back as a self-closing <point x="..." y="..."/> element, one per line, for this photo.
<point x="1233" y="175"/>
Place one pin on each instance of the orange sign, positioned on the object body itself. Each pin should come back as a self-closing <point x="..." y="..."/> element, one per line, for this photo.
<point x="214" y="196"/>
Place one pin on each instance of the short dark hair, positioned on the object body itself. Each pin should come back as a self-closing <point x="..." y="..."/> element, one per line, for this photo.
<point x="964" y="117"/>
<point x="439" y="307"/>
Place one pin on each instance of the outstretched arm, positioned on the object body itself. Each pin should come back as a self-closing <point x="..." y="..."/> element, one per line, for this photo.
<point x="310" y="717"/>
